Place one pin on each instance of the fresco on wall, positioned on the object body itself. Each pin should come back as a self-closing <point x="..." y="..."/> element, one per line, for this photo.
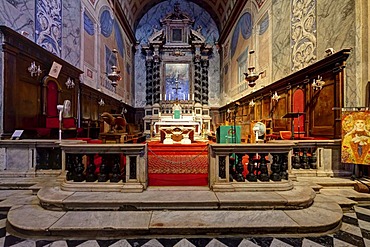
<point x="244" y="27"/>
<point x="111" y="36"/>
<point x="245" y="37"/>
<point x="151" y="21"/>
<point x="356" y="137"/>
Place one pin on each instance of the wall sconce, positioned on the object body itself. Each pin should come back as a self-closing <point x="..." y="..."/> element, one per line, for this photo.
<point x="275" y="97"/>
<point x="318" y="83"/>
<point x="34" y="69"/>
<point x="101" y="102"/>
<point x="115" y="76"/>
<point x="70" y="83"/>
<point x="252" y="76"/>
<point x="252" y="103"/>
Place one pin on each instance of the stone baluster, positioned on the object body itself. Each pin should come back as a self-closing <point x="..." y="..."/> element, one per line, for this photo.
<point x="304" y="160"/>
<point x="70" y="164"/>
<point x="275" y="168"/>
<point x="263" y="171"/>
<point x="239" y="168"/>
<point x="296" y="160"/>
<point x="79" y="169"/>
<point x="222" y="167"/>
<point x="104" y="170"/>
<point x="284" y="166"/>
<point x="251" y="176"/>
<point x="90" y="174"/>
<point x="232" y="161"/>
<point x="313" y="160"/>
<point x="116" y="171"/>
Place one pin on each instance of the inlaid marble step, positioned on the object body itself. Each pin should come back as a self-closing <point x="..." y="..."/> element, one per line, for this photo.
<point x="33" y="220"/>
<point x="53" y="198"/>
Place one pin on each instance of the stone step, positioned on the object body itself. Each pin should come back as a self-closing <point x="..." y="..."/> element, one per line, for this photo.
<point x="54" y="198"/>
<point x="33" y="220"/>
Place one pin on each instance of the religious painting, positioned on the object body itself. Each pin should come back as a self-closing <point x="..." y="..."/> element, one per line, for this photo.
<point x="356" y="137"/>
<point x="177" y="81"/>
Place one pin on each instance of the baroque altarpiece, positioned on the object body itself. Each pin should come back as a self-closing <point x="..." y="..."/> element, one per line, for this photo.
<point x="177" y="61"/>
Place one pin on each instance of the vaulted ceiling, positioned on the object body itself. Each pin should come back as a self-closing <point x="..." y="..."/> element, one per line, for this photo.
<point x="223" y="11"/>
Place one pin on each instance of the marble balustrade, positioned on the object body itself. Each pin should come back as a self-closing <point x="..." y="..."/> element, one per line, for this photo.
<point x="226" y="172"/>
<point x="76" y="160"/>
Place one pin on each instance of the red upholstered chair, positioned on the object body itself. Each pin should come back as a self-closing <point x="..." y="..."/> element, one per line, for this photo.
<point x="69" y="123"/>
<point x="285" y="135"/>
<point x="51" y="95"/>
<point x="52" y="122"/>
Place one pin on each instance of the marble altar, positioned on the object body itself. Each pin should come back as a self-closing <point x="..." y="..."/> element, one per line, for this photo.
<point x="177" y="130"/>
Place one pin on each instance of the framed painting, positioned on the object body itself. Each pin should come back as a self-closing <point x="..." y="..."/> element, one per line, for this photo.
<point x="177" y="81"/>
<point x="356" y="137"/>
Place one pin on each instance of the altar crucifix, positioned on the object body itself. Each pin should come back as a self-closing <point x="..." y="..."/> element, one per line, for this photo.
<point x="177" y="88"/>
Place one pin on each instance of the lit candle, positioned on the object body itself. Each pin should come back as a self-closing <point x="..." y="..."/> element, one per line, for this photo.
<point x="184" y="96"/>
<point x="188" y="96"/>
<point x="165" y="97"/>
<point x="169" y="97"/>
<point x="160" y="96"/>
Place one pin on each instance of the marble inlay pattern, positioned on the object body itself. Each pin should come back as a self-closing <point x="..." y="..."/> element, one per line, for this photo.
<point x="19" y="15"/>
<point x="49" y="25"/>
<point x="145" y="29"/>
<point x="281" y="40"/>
<point x="303" y="34"/>
<point x="336" y="28"/>
<point x="71" y="42"/>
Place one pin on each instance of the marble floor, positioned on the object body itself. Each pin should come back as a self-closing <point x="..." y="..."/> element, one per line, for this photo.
<point x="354" y="231"/>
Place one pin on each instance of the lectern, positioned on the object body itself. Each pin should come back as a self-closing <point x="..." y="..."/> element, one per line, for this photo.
<point x="294" y="115"/>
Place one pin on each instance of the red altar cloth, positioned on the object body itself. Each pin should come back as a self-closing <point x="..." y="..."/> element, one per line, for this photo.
<point x="177" y="164"/>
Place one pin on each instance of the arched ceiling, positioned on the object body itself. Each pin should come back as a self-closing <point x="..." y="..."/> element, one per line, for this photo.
<point x="222" y="11"/>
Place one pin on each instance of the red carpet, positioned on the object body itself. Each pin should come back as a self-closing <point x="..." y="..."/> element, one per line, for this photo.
<point x="177" y="164"/>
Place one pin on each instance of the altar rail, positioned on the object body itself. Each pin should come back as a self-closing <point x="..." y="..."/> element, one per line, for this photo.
<point x="29" y="158"/>
<point x="318" y="158"/>
<point x="104" y="167"/>
<point x="228" y="173"/>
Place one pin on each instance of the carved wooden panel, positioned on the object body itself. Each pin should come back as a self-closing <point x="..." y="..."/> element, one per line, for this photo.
<point x="322" y="117"/>
<point x="27" y="104"/>
<point x="279" y="110"/>
<point x="266" y="108"/>
<point x="258" y="111"/>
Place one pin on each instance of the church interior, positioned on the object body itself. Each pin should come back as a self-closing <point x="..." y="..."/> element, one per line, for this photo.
<point x="184" y="123"/>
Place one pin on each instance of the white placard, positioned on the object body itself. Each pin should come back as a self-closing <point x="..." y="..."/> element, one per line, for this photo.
<point x="17" y="134"/>
<point x="55" y="70"/>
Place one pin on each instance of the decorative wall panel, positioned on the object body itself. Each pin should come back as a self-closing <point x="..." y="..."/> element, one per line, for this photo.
<point x="303" y="33"/>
